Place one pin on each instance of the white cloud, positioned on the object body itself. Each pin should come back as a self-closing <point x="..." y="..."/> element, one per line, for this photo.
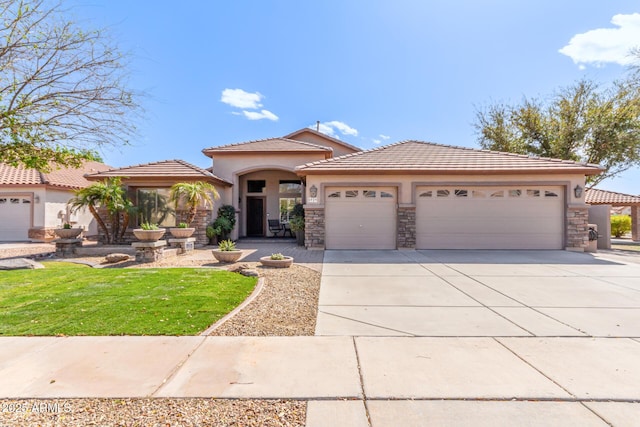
<point x="376" y="141"/>
<point x="240" y="99"/>
<point x="604" y="45"/>
<point x="259" y="115"/>
<point x="385" y="137"/>
<point x="333" y="127"/>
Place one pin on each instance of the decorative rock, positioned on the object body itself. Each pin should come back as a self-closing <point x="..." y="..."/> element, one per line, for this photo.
<point x="19" y="264"/>
<point x="238" y="268"/>
<point x="249" y="273"/>
<point x="117" y="257"/>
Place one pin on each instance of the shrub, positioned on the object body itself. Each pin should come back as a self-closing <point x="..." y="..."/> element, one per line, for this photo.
<point x="183" y="225"/>
<point x="620" y="225"/>
<point x="277" y="257"/>
<point x="149" y="226"/>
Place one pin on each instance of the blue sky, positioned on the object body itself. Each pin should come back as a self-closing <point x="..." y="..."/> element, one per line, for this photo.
<point x="372" y="72"/>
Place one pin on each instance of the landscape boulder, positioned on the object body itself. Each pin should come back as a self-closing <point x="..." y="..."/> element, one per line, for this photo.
<point x="113" y="258"/>
<point x="19" y="264"/>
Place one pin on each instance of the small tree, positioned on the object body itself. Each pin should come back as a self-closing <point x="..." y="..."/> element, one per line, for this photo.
<point x="110" y="195"/>
<point x="193" y="194"/>
<point x="225" y="221"/>
<point x="63" y="90"/>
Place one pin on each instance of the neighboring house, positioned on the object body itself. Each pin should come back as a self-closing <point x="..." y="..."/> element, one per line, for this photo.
<point x="611" y="199"/>
<point x="407" y="195"/>
<point x="33" y="204"/>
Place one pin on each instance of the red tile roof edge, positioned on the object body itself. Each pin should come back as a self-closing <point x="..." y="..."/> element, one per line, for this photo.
<point x="237" y="144"/>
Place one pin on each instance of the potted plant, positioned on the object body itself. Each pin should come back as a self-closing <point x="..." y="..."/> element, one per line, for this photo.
<point x="277" y="261"/>
<point x="148" y="232"/>
<point x="297" y="223"/>
<point x="212" y="234"/>
<point x="226" y="220"/>
<point x="227" y="252"/>
<point x="67" y="232"/>
<point x="182" y="231"/>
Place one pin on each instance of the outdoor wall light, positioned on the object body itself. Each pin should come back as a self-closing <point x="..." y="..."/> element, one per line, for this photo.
<point x="578" y="191"/>
<point x="313" y="191"/>
<point x="36" y="199"/>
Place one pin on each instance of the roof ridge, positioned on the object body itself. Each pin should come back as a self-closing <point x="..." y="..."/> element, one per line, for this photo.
<point x="324" y="135"/>
<point x="276" y="138"/>
<point x="356" y="154"/>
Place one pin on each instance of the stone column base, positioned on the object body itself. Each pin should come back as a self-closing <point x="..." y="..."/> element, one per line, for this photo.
<point x="184" y="245"/>
<point x="66" y="247"/>
<point x="149" y="251"/>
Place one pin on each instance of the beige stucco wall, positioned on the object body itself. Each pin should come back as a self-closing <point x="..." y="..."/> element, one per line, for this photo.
<point x="406" y="183"/>
<point x="230" y="165"/>
<point x="56" y="212"/>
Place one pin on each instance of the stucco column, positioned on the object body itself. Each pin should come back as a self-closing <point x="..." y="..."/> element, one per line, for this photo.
<point x="635" y="223"/>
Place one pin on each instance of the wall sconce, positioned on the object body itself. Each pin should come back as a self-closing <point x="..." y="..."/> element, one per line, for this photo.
<point x="36" y="199"/>
<point x="313" y="191"/>
<point x="577" y="191"/>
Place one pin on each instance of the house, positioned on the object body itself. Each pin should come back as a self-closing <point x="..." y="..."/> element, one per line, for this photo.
<point x="411" y="194"/>
<point x="33" y="204"/>
<point x="607" y="200"/>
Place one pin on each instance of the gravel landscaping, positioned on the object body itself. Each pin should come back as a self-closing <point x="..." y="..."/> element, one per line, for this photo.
<point x="151" y="412"/>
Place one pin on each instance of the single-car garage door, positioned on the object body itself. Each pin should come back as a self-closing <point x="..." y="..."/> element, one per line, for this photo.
<point x="360" y="217"/>
<point x="505" y="217"/>
<point x="15" y="217"/>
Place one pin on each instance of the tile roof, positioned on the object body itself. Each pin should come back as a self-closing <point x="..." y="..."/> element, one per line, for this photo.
<point x="63" y="177"/>
<point x="293" y="135"/>
<point x="594" y="196"/>
<point x="426" y="157"/>
<point x="164" y="169"/>
<point x="280" y="145"/>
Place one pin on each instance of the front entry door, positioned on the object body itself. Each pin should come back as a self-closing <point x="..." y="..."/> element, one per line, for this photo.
<point x="255" y="216"/>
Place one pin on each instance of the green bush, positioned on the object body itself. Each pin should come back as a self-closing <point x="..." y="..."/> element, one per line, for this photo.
<point x="620" y="225"/>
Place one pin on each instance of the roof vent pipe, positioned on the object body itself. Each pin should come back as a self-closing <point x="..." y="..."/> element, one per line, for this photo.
<point x="317" y="125"/>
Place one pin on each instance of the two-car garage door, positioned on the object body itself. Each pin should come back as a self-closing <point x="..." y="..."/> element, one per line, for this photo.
<point x="494" y="217"/>
<point x="15" y="217"/>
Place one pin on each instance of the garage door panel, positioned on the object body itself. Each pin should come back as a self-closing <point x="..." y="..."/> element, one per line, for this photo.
<point x="523" y="218"/>
<point x="15" y="217"/>
<point x="360" y="222"/>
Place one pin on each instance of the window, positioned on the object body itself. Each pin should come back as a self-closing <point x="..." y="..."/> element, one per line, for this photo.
<point x="550" y="194"/>
<point x="478" y="194"/>
<point x="3" y="200"/>
<point x="515" y="193"/>
<point x="498" y="193"/>
<point x="256" y="186"/>
<point x="533" y="193"/>
<point x="15" y="201"/>
<point x="26" y="201"/>
<point x="351" y="193"/>
<point x="369" y="193"/>
<point x="461" y="193"/>
<point x="154" y="206"/>
<point x="386" y="195"/>
<point x="290" y="186"/>
<point x="443" y="193"/>
<point x="335" y="195"/>
<point x="286" y="207"/>
<point x="427" y="194"/>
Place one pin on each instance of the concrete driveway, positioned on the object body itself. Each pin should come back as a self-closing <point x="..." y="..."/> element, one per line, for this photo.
<point x="495" y="338"/>
<point x="478" y="294"/>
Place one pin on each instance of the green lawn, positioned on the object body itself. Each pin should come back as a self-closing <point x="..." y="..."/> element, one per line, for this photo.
<point x="71" y="299"/>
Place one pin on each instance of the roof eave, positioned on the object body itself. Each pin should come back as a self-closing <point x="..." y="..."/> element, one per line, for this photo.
<point x="303" y="171"/>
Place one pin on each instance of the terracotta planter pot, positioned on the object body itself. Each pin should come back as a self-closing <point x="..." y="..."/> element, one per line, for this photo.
<point x="68" y="233"/>
<point x="149" y="235"/>
<point x="227" y="256"/>
<point x="277" y="263"/>
<point x="181" y="233"/>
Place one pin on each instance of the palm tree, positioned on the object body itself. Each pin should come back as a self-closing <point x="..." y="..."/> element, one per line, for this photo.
<point x="108" y="194"/>
<point x="192" y="194"/>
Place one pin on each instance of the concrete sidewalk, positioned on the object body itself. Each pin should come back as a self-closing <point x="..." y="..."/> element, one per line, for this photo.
<point x="348" y="380"/>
